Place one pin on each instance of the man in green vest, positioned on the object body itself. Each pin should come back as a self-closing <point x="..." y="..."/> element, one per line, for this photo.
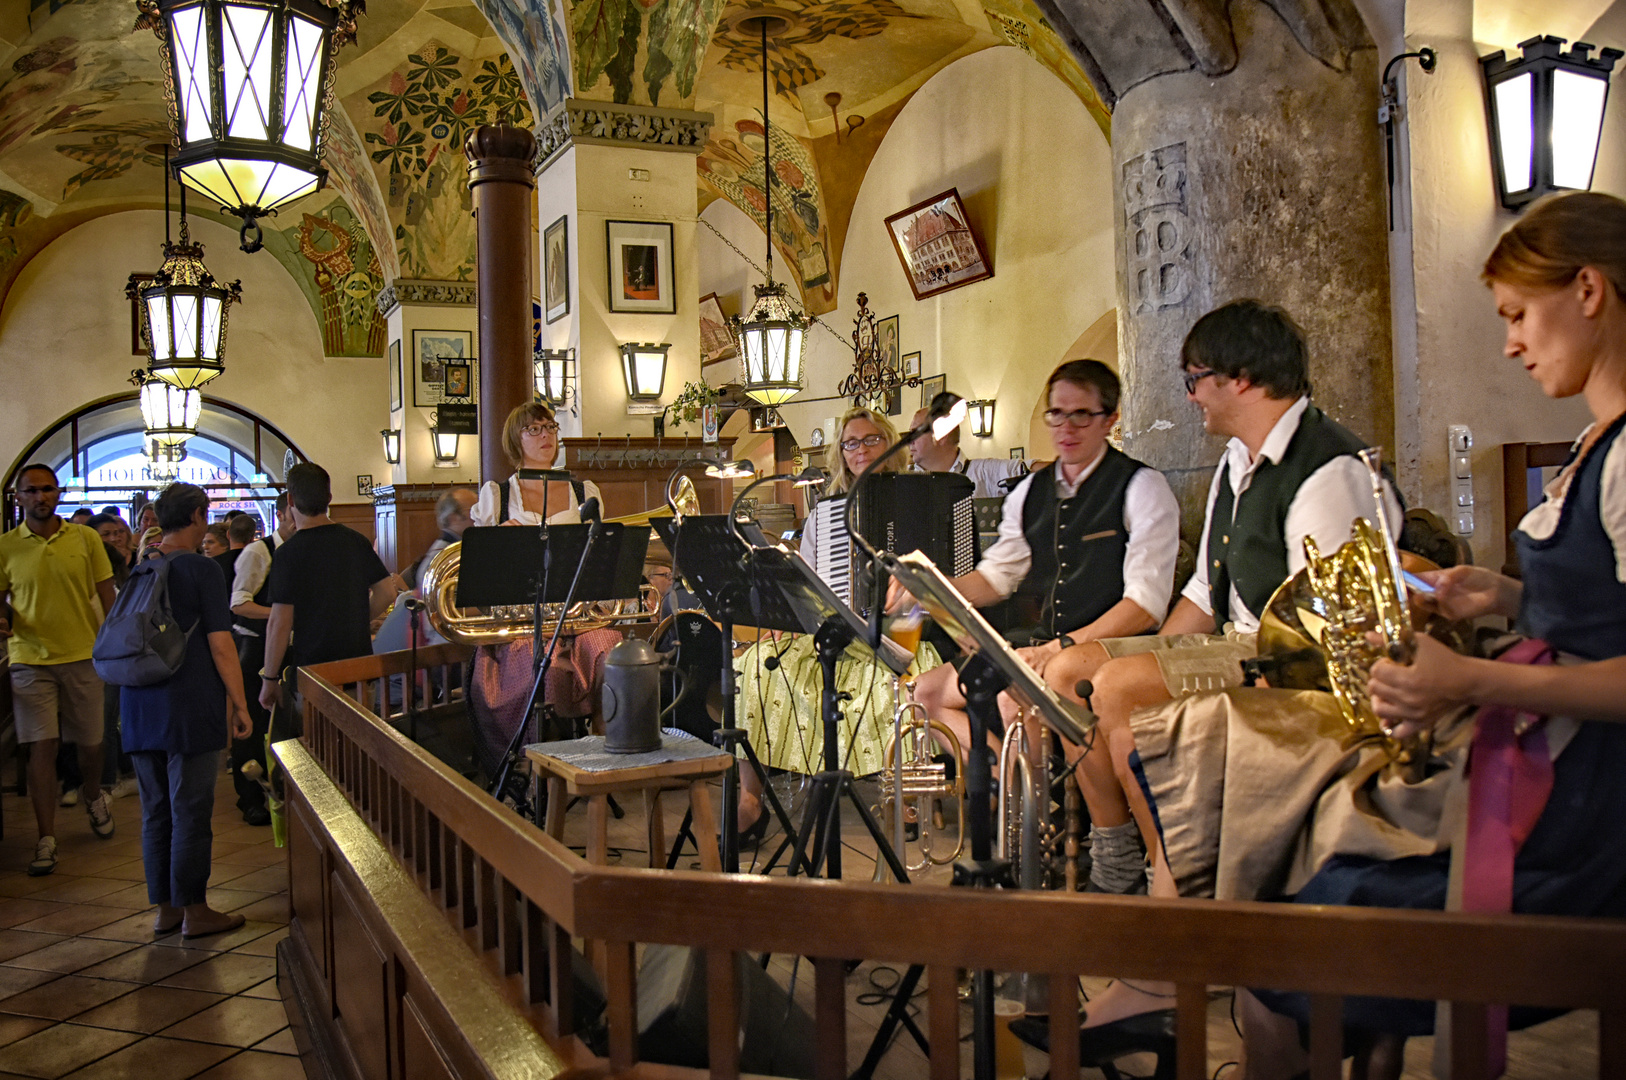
<point x="1288" y="472"/>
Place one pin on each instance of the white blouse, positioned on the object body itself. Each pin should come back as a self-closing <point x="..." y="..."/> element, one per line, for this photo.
<point x="1542" y="521"/>
<point x="487" y="507"/>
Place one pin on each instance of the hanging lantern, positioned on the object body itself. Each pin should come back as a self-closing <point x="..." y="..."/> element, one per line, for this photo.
<point x="249" y="85"/>
<point x="392" y="445"/>
<point x="771" y="338"/>
<point x="981" y="415"/>
<point x="169" y="413"/>
<point x="183" y="315"/>
<point x="1546" y="116"/>
<point x="552" y="374"/>
<point x="445" y="444"/>
<point x="643" y="366"/>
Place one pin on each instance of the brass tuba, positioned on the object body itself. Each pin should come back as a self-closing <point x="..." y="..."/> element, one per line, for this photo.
<point x="499" y="626"/>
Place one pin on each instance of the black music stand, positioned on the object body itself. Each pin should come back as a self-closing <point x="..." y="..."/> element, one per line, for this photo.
<point x="506" y="566"/>
<point x="993" y="668"/>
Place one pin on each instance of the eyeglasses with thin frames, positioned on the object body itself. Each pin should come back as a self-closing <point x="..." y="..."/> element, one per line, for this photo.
<point x="871" y="441"/>
<point x="1192" y="378"/>
<point x="1078" y="418"/>
<point x="539" y="429"/>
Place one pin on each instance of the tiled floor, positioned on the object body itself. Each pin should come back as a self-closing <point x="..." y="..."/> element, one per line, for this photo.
<point x="87" y="992"/>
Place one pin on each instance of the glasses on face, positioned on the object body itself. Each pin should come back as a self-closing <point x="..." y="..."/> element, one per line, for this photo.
<point x="1192" y="378"/>
<point x="868" y="441"/>
<point x="1077" y="418"/>
<point x="539" y="429"/>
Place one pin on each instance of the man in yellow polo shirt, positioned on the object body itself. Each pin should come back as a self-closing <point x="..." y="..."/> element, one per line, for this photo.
<point x="56" y="584"/>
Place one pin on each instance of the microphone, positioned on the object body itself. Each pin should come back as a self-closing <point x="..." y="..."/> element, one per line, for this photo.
<point x="1084" y="688"/>
<point x="589" y="510"/>
<point x="543" y="474"/>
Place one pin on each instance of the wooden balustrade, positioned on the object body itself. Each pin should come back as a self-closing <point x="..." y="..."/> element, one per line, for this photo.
<point x="382" y="828"/>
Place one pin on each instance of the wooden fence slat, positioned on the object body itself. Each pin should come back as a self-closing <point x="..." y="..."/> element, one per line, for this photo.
<point x="830" y="1018"/>
<point x="1063" y="1024"/>
<point x="723" y="1014"/>
<point x="486" y="886"/>
<point x="1469" y="1046"/>
<point x="1326" y="1037"/>
<point x="510" y="938"/>
<point x="943" y="1021"/>
<point x="561" y="988"/>
<point x="1612" y="1042"/>
<point x="1191" y="1030"/>
<point x="621" y="987"/>
<point x="533" y="956"/>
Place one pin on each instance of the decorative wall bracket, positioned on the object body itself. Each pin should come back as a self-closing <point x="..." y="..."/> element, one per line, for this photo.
<point x="870" y="377"/>
<point x="601" y="123"/>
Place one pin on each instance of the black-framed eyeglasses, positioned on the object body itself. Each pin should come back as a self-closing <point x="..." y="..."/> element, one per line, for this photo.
<point x="870" y="441"/>
<point x="539" y="429"/>
<point x="1078" y="418"/>
<point x="1192" y="378"/>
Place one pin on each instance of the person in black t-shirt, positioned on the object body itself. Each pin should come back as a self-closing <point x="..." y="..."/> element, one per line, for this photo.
<point x="327" y="583"/>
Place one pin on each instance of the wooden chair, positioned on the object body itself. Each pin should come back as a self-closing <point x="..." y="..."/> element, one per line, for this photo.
<point x="1521" y="487"/>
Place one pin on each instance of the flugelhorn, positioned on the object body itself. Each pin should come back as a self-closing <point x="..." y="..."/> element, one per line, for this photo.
<point x="912" y="779"/>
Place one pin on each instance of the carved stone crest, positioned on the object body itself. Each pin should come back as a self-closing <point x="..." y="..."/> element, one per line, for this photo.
<point x="1158" y="233"/>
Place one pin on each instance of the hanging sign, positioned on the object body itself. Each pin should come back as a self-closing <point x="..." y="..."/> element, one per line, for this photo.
<point x="457" y="419"/>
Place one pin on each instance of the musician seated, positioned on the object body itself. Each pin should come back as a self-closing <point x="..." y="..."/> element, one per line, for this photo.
<point x="990" y="475"/>
<point x="503" y="675"/>
<point x="1095" y="533"/>
<point x="1559" y="279"/>
<point x="778" y="705"/>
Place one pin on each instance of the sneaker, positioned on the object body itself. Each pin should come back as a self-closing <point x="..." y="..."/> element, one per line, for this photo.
<point x="70" y="797"/>
<point x="44" y="857"/>
<point x="124" y="788"/>
<point x="101" y="816"/>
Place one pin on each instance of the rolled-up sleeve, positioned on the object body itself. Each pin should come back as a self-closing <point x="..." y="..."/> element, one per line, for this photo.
<point x="253" y="563"/>
<point x="1007" y="562"/>
<point x="487" y="506"/>
<point x="1152" y="521"/>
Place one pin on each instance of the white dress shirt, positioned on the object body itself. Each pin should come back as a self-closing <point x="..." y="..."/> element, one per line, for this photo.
<point x="487" y="507"/>
<point x="249" y="572"/>
<point x="1325" y="507"/>
<point x="1151" y="518"/>
<point x="985" y="473"/>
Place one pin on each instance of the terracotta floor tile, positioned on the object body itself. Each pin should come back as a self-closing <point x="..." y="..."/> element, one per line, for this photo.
<point x="232" y="899"/>
<point x="237" y="1021"/>
<point x="224" y="973"/>
<point x="14" y="912"/>
<point x="267" y="879"/>
<point x="137" y="928"/>
<point x="17" y="980"/>
<point x="71" y="955"/>
<point x="263" y="946"/>
<point x="129" y="870"/>
<point x="271" y="909"/>
<point x="124" y="894"/>
<point x="280" y="1043"/>
<point x="95" y="863"/>
<point x="65" y="997"/>
<point x="223" y="850"/>
<point x="23" y="885"/>
<point x="256" y="1065"/>
<point x="256" y="854"/>
<point x="155" y="1059"/>
<point x="77" y="890"/>
<point x="226" y="873"/>
<point x="244" y="833"/>
<point x="146" y="964"/>
<point x="59" y="1050"/>
<point x="76" y="919"/>
<point x="149" y="1009"/>
<point x="267" y="990"/>
<point x="128" y="844"/>
<point x="22" y="942"/>
<point x="243" y="935"/>
<point x="13" y="1028"/>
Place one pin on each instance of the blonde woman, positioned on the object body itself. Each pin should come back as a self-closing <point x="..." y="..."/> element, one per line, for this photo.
<point x="779" y="706"/>
<point x="503" y="676"/>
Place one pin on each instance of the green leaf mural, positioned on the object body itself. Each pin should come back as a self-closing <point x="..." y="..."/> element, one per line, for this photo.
<point x="596" y="25"/>
<point x="679" y="31"/>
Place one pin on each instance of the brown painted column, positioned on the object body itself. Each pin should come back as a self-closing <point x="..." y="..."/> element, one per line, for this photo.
<point x="501" y="182"/>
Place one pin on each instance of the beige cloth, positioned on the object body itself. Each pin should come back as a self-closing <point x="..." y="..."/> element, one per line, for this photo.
<point x="1190" y="663"/>
<point x="1256" y="788"/>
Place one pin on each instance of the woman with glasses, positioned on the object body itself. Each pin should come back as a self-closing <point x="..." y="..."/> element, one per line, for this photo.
<point x="779" y="705"/>
<point x="503" y="675"/>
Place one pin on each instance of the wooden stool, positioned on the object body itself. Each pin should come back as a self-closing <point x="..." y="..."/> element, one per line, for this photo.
<point x="689" y="763"/>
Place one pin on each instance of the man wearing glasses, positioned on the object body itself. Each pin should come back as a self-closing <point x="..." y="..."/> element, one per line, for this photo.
<point x="1092" y="537"/>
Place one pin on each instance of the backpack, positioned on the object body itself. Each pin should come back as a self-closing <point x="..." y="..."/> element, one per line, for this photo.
<point x="140" y="642"/>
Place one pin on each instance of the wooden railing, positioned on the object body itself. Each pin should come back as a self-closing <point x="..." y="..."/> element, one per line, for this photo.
<point x="516" y="898"/>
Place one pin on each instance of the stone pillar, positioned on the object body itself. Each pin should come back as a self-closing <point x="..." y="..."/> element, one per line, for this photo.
<point x="501" y="183"/>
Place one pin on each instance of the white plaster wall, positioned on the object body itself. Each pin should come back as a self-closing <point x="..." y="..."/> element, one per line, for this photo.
<point x="1035" y="173"/>
<point x="1461" y="376"/>
<point x="65" y="341"/>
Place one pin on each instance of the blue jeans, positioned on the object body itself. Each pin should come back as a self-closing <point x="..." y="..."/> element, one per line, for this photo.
<point x="177" y="801"/>
<point x="115" y="763"/>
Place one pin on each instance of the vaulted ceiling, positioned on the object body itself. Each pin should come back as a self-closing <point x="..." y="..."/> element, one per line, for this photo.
<point x="83" y="120"/>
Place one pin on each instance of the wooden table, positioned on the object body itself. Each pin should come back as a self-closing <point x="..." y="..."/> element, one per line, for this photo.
<point x="567" y="780"/>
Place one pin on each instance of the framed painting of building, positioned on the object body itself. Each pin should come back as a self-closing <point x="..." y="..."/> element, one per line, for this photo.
<point x="640" y="264"/>
<point x="936" y="245"/>
<point x="556" y="270"/>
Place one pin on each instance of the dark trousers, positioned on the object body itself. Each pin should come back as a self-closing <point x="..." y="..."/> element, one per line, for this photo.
<point x="177" y="801"/>
<point x="251" y="655"/>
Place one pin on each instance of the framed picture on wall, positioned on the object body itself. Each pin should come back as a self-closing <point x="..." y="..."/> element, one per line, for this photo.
<point x="911" y="365"/>
<point x="640" y="261"/>
<point x="1018" y="453"/>
<point x="395" y="375"/>
<point x="886" y="342"/>
<point x="936" y="246"/>
<point x="716" y="340"/>
<point x="556" y="270"/>
<point x="458" y="379"/>
<point x="930" y="388"/>
<point x="432" y="350"/>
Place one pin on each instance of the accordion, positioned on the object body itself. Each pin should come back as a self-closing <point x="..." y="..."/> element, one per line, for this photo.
<point x="933" y="513"/>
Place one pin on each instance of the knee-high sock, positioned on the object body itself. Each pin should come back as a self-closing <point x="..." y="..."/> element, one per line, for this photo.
<point x="1117" y="864"/>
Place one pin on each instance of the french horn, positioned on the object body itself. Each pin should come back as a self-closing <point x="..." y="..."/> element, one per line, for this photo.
<point x="501" y="625"/>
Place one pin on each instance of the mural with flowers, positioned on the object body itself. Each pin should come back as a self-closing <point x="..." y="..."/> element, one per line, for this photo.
<point x="413" y="124"/>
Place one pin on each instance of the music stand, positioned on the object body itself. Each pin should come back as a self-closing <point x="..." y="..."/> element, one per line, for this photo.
<point x="505" y="566"/>
<point x="993" y="668"/>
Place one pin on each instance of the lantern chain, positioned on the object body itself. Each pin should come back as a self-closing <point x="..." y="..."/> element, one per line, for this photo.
<point x="752" y="264"/>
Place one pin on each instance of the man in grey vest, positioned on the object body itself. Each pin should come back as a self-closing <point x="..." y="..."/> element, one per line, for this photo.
<point x="1288" y="472"/>
<point x="250" y="608"/>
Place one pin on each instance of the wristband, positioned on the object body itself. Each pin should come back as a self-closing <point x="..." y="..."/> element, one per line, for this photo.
<point x="1065" y="641"/>
<point x="269" y="677"/>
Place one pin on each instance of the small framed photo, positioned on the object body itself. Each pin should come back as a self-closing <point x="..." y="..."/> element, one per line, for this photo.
<point x="640" y="262"/>
<point x="1019" y="453"/>
<point x="936" y="246"/>
<point x="458" y="379"/>
<point x="911" y="365"/>
<point x="886" y="342"/>
<point x="716" y="340"/>
<point x="894" y="401"/>
<point x="432" y="350"/>
<point x="395" y="375"/>
<point x="556" y="270"/>
<point x="930" y="388"/>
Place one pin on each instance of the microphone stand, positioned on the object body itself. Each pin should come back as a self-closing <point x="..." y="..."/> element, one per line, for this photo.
<point x="414" y="609"/>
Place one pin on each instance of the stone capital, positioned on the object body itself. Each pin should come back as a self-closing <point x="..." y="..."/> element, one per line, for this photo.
<point x="418" y="291"/>
<point x="602" y="123"/>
